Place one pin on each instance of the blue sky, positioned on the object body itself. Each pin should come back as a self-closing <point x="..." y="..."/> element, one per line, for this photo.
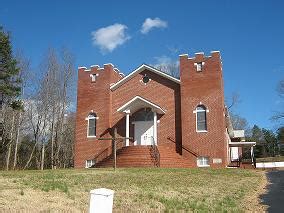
<point x="249" y="34"/>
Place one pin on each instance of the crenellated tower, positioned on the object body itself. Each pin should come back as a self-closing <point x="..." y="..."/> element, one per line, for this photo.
<point x="93" y="102"/>
<point x="203" y="107"/>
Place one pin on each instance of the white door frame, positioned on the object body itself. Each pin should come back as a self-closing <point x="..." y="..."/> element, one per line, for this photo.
<point x="234" y="151"/>
<point x="155" y="129"/>
<point x="143" y="132"/>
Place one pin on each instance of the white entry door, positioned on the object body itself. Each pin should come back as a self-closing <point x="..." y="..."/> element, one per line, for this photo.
<point x="143" y="132"/>
<point x="234" y="153"/>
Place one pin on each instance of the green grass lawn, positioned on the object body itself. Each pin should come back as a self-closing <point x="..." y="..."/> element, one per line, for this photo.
<point x="135" y="189"/>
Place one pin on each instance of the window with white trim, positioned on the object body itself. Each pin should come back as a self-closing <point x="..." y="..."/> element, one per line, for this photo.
<point x="92" y="125"/>
<point x="203" y="162"/>
<point x="90" y="163"/>
<point x="201" y="120"/>
<point x="199" y="66"/>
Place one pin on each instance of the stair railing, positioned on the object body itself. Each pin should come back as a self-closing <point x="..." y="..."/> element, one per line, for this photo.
<point x="184" y="147"/>
<point x="107" y="152"/>
<point x="155" y="152"/>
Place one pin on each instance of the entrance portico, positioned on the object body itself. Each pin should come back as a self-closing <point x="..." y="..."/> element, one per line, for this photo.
<point x="237" y="152"/>
<point x="145" y="125"/>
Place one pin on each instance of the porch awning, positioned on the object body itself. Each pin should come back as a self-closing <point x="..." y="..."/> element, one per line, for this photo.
<point x="242" y="143"/>
<point x="137" y="103"/>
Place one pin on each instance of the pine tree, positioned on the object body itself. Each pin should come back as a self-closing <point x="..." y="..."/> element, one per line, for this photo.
<point x="280" y="138"/>
<point x="9" y="90"/>
<point x="9" y="72"/>
<point x="257" y="136"/>
<point x="270" y="142"/>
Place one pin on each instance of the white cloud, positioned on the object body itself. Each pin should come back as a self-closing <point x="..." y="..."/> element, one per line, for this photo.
<point x="162" y="60"/>
<point x="110" y="37"/>
<point x="149" y="24"/>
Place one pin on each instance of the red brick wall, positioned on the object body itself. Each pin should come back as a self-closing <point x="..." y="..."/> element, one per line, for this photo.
<point x="94" y="96"/>
<point x="178" y="100"/>
<point x="204" y="87"/>
<point x="160" y="91"/>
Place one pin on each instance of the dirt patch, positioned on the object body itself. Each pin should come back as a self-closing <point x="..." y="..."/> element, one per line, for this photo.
<point x="252" y="201"/>
<point x="15" y="198"/>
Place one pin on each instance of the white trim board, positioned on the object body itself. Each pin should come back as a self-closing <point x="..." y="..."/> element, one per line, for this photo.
<point x="127" y="105"/>
<point x="241" y="143"/>
<point x="140" y="69"/>
<point x="269" y="165"/>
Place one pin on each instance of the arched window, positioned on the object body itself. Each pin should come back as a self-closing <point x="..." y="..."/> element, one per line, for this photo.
<point x="92" y="124"/>
<point x="201" y="121"/>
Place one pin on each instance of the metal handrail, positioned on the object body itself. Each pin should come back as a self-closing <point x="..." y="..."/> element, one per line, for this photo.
<point x="108" y="151"/>
<point x="184" y="147"/>
<point x="155" y="152"/>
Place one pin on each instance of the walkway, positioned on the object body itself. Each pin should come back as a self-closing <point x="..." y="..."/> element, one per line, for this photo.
<point x="274" y="198"/>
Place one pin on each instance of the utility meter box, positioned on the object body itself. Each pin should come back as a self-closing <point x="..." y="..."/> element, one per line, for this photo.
<point x="101" y="200"/>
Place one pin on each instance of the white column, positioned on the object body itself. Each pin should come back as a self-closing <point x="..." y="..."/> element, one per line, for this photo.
<point x="155" y="128"/>
<point x="127" y="128"/>
<point x="251" y="153"/>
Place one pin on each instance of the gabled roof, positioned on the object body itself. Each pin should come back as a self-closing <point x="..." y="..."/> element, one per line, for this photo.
<point x="140" y="69"/>
<point x="137" y="103"/>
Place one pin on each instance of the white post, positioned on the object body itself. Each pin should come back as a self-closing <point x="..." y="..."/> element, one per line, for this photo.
<point x="101" y="200"/>
<point x="251" y="153"/>
<point x="155" y="128"/>
<point x="127" y="128"/>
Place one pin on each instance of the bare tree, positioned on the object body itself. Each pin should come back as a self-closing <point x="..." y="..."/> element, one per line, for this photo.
<point x="50" y="106"/>
<point x="42" y="108"/>
<point x="17" y="141"/>
<point x="279" y="115"/>
<point x="233" y="100"/>
<point x="171" y="68"/>
<point x="10" y="134"/>
<point x="42" y="135"/>
<point x="37" y="115"/>
<point x="66" y="154"/>
<point x="24" y="65"/>
<point x="67" y="71"/>
<point x="10" y="142"/>
<point x="238" y="122"/>
<point x="53" y="70"/>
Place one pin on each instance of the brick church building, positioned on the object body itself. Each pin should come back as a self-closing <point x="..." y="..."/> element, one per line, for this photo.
<point x="158" y="120"/>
